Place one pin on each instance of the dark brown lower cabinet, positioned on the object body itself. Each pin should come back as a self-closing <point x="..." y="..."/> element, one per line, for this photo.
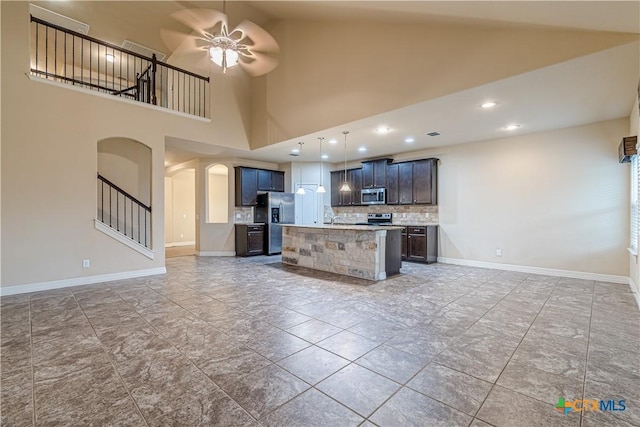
<point x="249" y="239"/>
<point x="420" y="243"/>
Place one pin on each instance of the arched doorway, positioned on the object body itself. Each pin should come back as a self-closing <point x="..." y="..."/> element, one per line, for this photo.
<point x="124" y="188"/>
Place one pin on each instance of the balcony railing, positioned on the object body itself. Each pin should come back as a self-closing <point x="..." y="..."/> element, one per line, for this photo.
<point x="72" y="58"/>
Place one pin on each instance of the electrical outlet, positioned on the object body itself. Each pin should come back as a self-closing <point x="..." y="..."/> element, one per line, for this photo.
<point x="498" y="252"/>
<point x="86" y="263"/>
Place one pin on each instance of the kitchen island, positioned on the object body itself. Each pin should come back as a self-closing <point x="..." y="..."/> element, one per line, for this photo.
<point x="366" y="252"/>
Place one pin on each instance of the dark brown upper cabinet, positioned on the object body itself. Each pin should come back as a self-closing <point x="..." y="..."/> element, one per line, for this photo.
<point x="374" y="173"/>
<point x="416" y="183"/>
<point x="355" y="180"/>
<point x="337" y="178"/>
<point x="346" y="198"/>
<point x="393" y="181"/>
<point x="246" y="186"/>
<point x="405" y="183"/>
<point x="251" y="180"/>
<point x="270" y="180"/>
<point x="424" y="182"/>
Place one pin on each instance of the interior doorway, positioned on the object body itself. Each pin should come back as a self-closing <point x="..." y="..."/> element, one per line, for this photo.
<point x="307" y="205"/>
<point x="180" y="213"/>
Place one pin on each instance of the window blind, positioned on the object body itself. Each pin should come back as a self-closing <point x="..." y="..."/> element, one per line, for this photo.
<point x="635" y="219"/>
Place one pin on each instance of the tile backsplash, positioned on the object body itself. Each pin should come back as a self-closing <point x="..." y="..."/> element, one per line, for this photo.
<point x="402" y="214"/>
<point x="243" y="215"/>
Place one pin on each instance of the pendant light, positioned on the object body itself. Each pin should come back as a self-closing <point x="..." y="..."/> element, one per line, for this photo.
<point x="345" y="185"/>
<point x="321" y="186"/>
<point x="300" y="189"/>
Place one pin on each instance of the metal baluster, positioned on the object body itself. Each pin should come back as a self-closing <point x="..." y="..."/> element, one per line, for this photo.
<point x="73" y="64"/>
<point x="102" y="200"/>
<point x="110" y="204"/>
<point x="138" y="223"/>
<point x="37" y="44"/>
<point x="124" y="208"/>
<point x="145" y="228"/>
<point x="55" y="52"/>
<point x="46" y="52"/>
<point x="118" y="210"/>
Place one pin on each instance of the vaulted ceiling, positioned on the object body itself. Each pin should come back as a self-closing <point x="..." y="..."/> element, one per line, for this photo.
<point x="592" y="87"/>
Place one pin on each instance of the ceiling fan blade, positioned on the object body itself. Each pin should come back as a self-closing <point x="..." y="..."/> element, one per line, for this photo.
<point x="261" y="40"/>
<point x="201" y="19"/>
<point x="175" y="40"/>
<point x="257" y="64"/>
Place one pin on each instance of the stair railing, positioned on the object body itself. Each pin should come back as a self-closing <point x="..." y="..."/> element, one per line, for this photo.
<point x="123" y="212"/>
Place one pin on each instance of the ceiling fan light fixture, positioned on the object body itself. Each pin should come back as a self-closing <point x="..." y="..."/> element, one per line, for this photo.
<point x="225" y="58"/>
<point x="247" y="46"/>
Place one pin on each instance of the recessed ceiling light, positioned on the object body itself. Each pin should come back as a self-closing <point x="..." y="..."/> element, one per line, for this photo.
<point x="433" y="133"/>
<point x="324" y="156"/>
<point x="333" y="141"/>
<point x="512" y="126"/>
<point x="488" y="104"/>
<point x="110" y="58"/>
<point x="383" y="130"/>
<point x="295" y="151"/>
<point x="409" y="140"/>
<point x="362" y="149"/>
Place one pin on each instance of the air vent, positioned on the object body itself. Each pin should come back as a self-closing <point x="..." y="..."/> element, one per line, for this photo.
<point x="142" y="50"/>
<point x="433" y="133"/>
<point x="59" y="20"/>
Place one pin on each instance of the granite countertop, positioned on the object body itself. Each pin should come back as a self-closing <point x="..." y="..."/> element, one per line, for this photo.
<point x="347" y="227"/>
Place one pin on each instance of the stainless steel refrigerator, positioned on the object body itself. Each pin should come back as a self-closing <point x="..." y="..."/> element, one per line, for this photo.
<point x="274" y="209"/>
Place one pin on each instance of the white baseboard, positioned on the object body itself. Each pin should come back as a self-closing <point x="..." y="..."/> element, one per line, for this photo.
<point x="174" y="244"/>
<point x="78" y="281"/>
<point x="216" y="253"/>
<point x="537" y="270"/>
<point x="635" y="290"/>
<point x="123" y="239"/>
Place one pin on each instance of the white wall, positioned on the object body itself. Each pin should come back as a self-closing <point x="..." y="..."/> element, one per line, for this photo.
<point x="180" y="199"/>
<point x="49" y="155"/>
<point x="127" y="164"/>
<point x="634" y="268"/>
<point x="556" y="199"/>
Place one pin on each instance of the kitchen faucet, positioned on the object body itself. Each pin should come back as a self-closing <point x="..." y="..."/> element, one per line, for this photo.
<point x="333" y="219"/>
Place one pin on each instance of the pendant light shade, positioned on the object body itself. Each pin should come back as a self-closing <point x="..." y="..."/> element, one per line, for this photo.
<point x="300" y="189"/>
<point x="321" y="186"/>
<point x="345" y="185"/>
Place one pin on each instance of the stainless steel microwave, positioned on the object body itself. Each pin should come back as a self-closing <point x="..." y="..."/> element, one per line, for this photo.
<point x="373" y="196"/>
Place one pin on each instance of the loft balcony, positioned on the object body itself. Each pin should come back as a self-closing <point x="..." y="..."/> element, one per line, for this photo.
<point x="72" y="58"/>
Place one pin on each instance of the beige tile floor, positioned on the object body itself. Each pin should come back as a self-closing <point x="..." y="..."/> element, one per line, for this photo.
<point x="233" y="341"/>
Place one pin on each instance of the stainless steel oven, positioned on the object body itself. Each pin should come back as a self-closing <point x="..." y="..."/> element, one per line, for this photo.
<point x="373" y="196"/>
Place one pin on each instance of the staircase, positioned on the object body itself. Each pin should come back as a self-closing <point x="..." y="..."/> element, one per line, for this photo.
<point x="123" y="217"/>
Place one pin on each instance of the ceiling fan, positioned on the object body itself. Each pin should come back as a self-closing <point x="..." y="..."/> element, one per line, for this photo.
<point x="247" y="45"/>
